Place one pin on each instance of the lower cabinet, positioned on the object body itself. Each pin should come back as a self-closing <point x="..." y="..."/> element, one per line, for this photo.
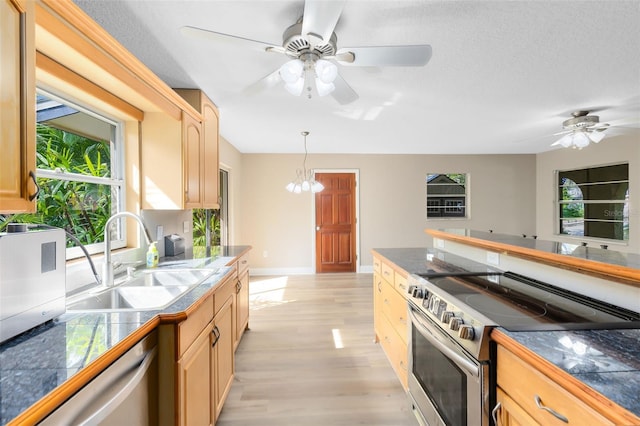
<point x="195" y="371"/>
<point x="390" y="316"/>
<point x="197" y="361"/>
<point x="528" y="397"/>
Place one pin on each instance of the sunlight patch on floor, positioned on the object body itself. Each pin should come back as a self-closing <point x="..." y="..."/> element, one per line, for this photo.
<point x="337" y="338"/>
<point x="268" y="292"/>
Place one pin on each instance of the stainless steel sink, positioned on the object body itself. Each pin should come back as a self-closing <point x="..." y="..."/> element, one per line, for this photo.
<point x="148" y="289"/>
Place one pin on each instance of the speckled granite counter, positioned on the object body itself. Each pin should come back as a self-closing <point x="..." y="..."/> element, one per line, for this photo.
<point x="606" y="360"/>
<point x="37" y="362"/>
<point x="610" y="363"/>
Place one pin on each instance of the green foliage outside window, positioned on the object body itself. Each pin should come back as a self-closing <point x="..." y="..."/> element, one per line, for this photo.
<point x="81" y="208"/>
<point x="200" y="234"/>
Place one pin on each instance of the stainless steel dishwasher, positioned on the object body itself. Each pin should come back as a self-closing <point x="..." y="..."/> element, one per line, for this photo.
<point x="126" y="393"/>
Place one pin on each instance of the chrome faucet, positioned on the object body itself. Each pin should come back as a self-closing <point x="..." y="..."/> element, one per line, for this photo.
<point x="107" y="268"/>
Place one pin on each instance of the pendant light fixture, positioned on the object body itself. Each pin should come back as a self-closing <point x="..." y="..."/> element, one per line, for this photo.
<point x="304" y="178"/>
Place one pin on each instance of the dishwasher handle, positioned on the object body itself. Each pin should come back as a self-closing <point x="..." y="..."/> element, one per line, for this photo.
<point x="115" y="396"/>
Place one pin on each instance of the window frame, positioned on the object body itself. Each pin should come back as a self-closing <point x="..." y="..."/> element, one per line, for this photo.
<point x="117" y="172"/>
<point x="594" y="201"/>
<point x="465" y="215"/>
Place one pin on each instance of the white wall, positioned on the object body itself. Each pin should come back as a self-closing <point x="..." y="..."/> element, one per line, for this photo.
<point x="392" y="202"/>
<point x="612" y="149"/>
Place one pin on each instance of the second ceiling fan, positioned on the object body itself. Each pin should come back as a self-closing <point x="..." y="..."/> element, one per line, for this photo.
<point x="311" y="46"/>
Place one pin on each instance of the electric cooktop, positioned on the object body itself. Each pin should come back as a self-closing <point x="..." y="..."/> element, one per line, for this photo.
<point x="519" y="303"/>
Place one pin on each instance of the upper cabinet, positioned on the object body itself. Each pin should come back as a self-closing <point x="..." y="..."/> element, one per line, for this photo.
<point x="179" y="159"/>
<point x="206" y="172"/>
<point x="17" y="95"/>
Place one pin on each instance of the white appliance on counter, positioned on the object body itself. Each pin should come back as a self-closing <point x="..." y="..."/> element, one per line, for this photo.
<point x="32" y="279"/>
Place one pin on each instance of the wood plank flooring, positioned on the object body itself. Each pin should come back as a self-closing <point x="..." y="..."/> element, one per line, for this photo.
<point x="309" y="357"/>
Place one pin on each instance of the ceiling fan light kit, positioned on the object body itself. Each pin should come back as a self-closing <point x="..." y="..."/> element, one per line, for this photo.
<point x="580" y="130"/>
<point x="304" y="180"/>
<point x="311" y="44"/>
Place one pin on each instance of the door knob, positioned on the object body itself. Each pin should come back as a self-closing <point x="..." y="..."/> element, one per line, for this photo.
<point x="317" y="228"/>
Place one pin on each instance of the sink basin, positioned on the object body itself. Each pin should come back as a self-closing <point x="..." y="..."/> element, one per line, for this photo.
<point x="149" y="289"/>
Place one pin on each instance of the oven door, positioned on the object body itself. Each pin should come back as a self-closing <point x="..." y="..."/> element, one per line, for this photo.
<point x="446" y="385"/>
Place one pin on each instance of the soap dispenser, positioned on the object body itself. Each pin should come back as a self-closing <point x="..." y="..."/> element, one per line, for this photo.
<point x="152" y="255"/>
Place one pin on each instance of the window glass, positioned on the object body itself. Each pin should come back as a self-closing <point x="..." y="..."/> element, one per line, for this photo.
<point x="594" y="202"/>
<point x="446" y="195"/>
<point x="79" y="173"/>
<point x="212" y="224"/>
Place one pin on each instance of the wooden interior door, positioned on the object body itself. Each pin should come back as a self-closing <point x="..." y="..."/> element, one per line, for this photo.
<point x="336" y="223"/>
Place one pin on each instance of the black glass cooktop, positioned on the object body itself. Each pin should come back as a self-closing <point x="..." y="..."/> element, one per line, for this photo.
<point x="440" y="263"/>
<point x="520" y="303"/>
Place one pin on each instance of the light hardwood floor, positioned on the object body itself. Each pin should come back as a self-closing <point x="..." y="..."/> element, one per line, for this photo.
<point x="309" y="357"/>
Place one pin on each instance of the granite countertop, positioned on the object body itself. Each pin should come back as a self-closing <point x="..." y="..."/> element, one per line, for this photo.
<point x="610" y="363"/>
<point x="40" y="360"/>
<point x="606" y="360"/>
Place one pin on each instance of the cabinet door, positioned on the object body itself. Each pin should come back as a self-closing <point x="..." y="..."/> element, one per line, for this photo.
<point x="223" y="354"/>
<point x="191" y="134"/>
<point x="210" y="160"/>
<point x="242" y="306"/>
<point x="194" y="386"/>
<point x="510" y="413"/>
<point x="377" y="303"/>
<point x="17" y="116"/>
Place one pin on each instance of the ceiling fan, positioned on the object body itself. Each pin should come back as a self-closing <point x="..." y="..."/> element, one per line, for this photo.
<point x="580" y="130"/>
<point x="311" y="46"/>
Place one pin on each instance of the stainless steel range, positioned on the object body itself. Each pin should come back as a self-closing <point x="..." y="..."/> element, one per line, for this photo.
<point x="453" y="306"/>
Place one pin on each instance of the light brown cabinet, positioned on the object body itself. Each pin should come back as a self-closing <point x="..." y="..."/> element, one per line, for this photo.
<point x="197" y="360"/>
<point x="203" y="177"/>
<point x="17" y="115"/>
<point x="179" y="159"/>
<point x="543" y="401"/>
<point x="194" y="377"/>
<point x="242" y="298"/>
<point x="390" y="315"/>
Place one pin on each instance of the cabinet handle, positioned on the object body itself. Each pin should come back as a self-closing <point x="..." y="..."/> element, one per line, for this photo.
<point x="553" y="412"/>
<point x="216" y="334"/>
<point x="32" y="175"/>
<point x="494" y="413"/>
<point x="238" y="286"/>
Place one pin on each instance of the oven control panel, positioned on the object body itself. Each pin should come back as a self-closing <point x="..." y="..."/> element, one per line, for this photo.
<point x="451" y="315"/>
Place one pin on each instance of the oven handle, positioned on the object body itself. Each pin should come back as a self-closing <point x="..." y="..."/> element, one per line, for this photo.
<point x="450" y="353"/>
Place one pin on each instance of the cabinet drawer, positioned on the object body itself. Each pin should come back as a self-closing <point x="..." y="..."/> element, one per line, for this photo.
<point x="377" y="264"/>
<point x="394" y="307"/>
<point x="243" y="264"/>
<point x="190" y="328"/>
<point x="223" y="292"/>
<point x="395" y="349"/>
<point x="387" y="272"/>
<point x="400" y="284"/>
<point x="524" y="385"/>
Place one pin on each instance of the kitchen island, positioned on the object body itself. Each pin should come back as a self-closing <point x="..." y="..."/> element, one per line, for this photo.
<point x="44" y="366"/>
<point x="612" y="389"/>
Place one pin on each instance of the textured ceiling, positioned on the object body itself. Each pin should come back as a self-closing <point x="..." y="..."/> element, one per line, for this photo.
<point x="502" y="78"/>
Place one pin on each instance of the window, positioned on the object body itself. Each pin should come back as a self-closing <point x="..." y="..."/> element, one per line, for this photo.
<point x="79" y="172"/>
<point x="594" y="202"/>
<point x="446" y="195"/>
<point x="211" y="223"/>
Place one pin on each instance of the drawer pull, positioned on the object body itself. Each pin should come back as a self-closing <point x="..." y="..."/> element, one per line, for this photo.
<point x="494" y="413"/>
<point x="553" y="412"/>
<point x="216" y="335"/>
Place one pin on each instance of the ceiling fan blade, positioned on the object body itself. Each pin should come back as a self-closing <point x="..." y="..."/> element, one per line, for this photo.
<point x="266" y="82"/>
<point x="227" y="38"/>
<point x="378" y="56"/>
<point x="343" y="93"/>
<point x="320" y="17"/>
